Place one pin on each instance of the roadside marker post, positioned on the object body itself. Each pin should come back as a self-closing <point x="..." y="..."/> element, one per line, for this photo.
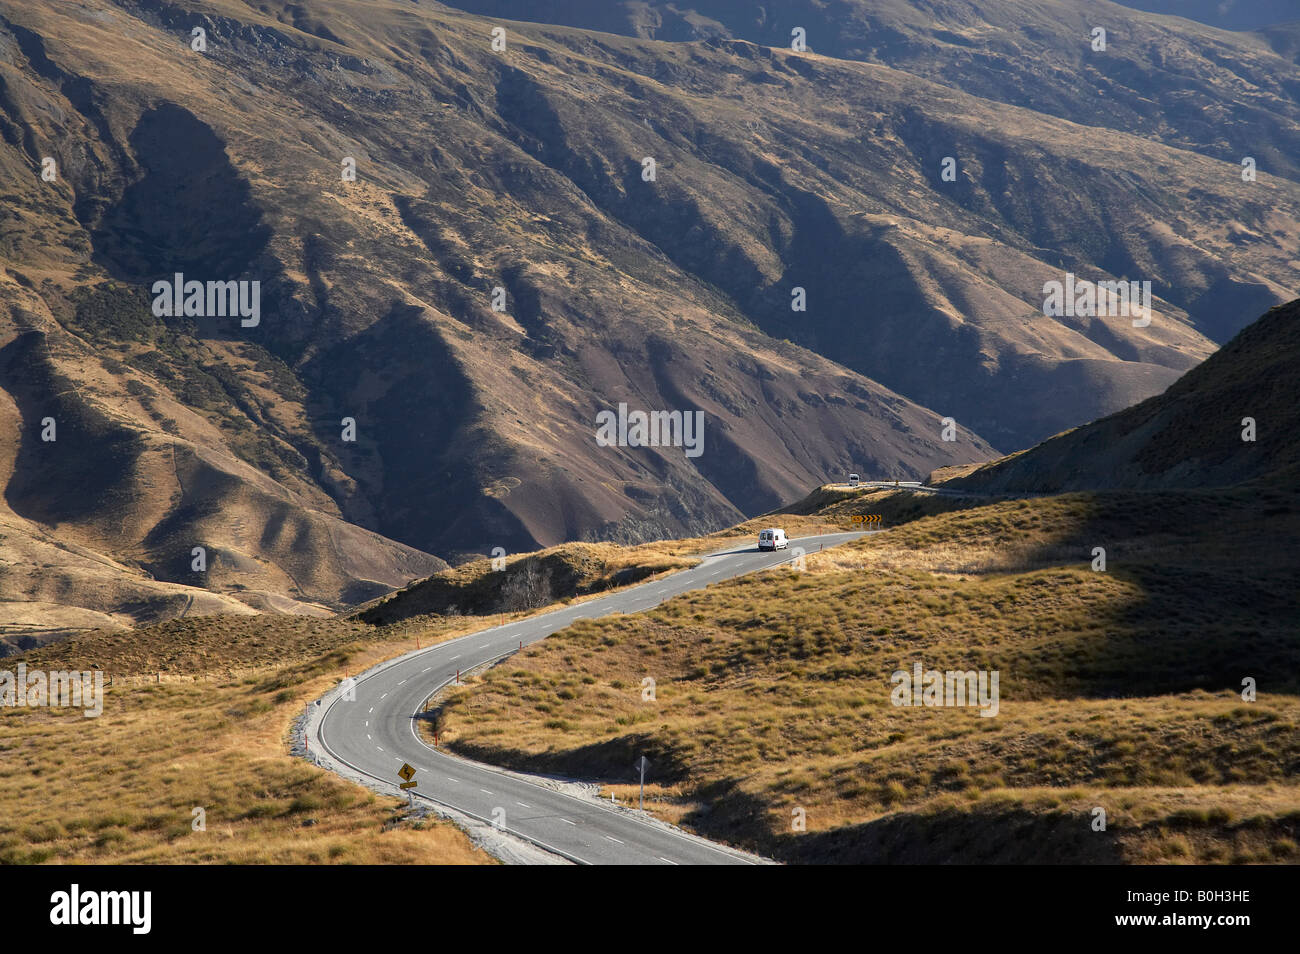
<point x="643" y="764"/>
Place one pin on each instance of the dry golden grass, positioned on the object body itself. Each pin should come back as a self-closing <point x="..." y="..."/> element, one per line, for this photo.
<point x="1118" y="689"/>
<point x="121" y="788"/>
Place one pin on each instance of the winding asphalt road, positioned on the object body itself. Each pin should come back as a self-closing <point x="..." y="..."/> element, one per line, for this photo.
<point x="375" y="732"/>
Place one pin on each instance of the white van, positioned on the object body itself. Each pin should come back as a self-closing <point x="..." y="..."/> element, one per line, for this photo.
<point x="854" y="479"/>
<point x="772" y="539"/>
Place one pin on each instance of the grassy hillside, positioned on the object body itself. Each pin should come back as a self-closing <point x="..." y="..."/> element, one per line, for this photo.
<point x="198" y="715"/>
<point x="1192" y="435"/>
<point x="1119" y="689"/>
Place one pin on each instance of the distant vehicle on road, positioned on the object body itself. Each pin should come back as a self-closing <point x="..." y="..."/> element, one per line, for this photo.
<point x="772" y="539"/>
<point x="854" y="480"/>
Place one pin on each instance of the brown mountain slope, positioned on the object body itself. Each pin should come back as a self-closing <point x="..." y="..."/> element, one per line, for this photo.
<point x="100" y="523"/>
<point x="523" y="170"/>
<point x="474" y="428"/>
<point x="1191" y="436"/>
<point x="1186" y="84"/>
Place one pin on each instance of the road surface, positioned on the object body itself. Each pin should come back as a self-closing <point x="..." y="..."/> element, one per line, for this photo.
<point x="375" y="732"/>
